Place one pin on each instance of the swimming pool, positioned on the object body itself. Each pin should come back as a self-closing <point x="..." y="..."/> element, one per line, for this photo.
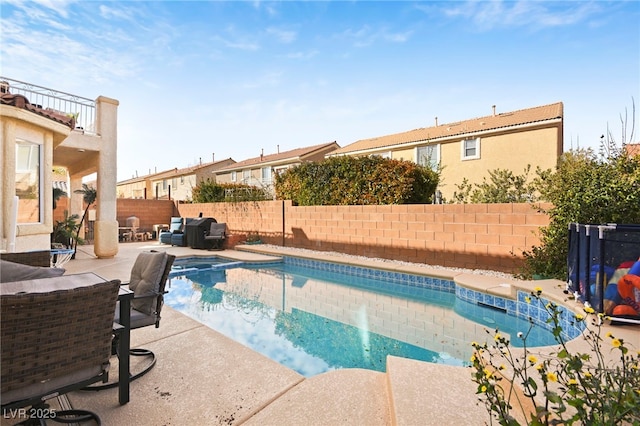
<point x="315" y="317"/>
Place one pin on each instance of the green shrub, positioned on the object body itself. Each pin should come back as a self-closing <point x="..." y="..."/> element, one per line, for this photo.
<point x="211" y="192"/>
<point x="356" y="181"/>
<point x="585" y="188"/>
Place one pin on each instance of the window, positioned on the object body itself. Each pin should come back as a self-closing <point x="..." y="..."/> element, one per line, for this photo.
<point x="266" y="174"/>
<point x="470" y="149"/>
<point x="428" y="156"/>
<point x="386" y="154"/>
<point x="246" y="176"/>
<point x="234" y="176"/>
<point x="28" y="181"/>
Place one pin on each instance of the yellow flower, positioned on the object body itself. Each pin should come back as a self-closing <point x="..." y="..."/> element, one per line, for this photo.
<point x="502" y="367"/>
<point x="497" y="337"/>
<point x="589" y="310"/>
<point x="572" y="382"/>
<point x="487" y="373"/>
<point x="538" y="289"/>
<point x="527" y="299"/>
<point x="474" y="344"/>
<point x="473" y="358"/>
<point x="616" y="343"/>
<point x="483" y="388"/>
<point x="609" y="334"/>
<point x="579" y="317"/>
<point x="552" y="377"/>
<point x="587" y="374"/>
<point x="539" y="367"/>
<point x="532" y="359"/>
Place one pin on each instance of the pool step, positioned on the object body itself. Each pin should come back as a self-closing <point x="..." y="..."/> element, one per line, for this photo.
<point x="340" y="397"/>
<point x="409" y="393"/>
<point x="431" y="394"/>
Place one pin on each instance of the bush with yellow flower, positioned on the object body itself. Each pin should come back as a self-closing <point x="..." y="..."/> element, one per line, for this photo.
<point x="564" y="387"/>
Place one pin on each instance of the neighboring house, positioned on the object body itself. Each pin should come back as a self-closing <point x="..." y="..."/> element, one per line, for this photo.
<point x="471" y="148"/>
<point x="176" y="184"/>
<point x="42" y="129"/>
<point x="260" y="171"/>
<point x="632" y="149"/>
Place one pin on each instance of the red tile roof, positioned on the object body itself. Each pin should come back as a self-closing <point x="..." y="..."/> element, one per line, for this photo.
<point x="632" y="149"/>
<point x="281" y="157"/>
<point x="482" y="124"/>
<point x="22" y="102"/>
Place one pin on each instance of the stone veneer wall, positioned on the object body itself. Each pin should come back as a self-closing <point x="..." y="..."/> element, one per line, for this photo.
<point x="476" y="236"/>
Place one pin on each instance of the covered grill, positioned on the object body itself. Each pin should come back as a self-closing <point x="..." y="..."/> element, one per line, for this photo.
<point x="196" y="230"/>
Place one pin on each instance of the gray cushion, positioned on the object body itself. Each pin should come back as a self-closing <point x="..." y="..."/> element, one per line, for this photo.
<point x="145" y="279"/>
<point x="11" y="272"/>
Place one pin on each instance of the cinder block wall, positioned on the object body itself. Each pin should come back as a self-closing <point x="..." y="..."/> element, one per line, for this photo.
<point x="150" y="212"/>
<point x="485" y="236"/>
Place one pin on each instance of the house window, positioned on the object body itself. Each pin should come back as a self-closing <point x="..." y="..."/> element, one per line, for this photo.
<point x="234" y="176"/>
<point x="164" y="184"/>
<point x="428" y="156"/>
<point x="470" y="149"/>
<point x="246" y="176"/>
<point x="266" y="174"/>
<point x="181" y="180"/>
<point x="385" y="154"/>
<point x="28" y="181"/>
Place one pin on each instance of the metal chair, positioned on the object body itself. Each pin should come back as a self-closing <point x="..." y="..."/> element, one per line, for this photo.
<point x="56" y="337"/>
<point x="217" y="234"/>
<point x="149" y="276"/>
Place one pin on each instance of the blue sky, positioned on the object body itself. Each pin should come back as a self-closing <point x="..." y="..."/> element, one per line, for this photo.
<point x="234" y="78"/>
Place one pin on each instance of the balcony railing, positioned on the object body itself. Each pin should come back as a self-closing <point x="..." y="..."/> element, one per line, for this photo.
<point x="83" y="109"/>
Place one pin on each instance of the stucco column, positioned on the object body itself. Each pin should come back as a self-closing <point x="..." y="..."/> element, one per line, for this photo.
<point x="106" y="226"/>
<point x="75" y="200"/>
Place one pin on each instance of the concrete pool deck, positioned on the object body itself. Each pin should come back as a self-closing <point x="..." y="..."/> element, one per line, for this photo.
<point x="203" y="377"/>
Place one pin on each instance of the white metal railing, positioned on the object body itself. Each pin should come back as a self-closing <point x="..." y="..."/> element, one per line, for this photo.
<point x="83" y="109"/>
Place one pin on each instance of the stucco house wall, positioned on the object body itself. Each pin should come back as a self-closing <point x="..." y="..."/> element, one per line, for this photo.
<point x="31" y="233"/>
<point x="510" y="140"/>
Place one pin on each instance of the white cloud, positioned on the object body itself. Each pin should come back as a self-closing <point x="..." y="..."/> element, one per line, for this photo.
<point x="284" y="36"/>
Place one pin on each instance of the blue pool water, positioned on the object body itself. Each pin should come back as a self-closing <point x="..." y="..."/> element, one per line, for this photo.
<point x="314" y="318"/>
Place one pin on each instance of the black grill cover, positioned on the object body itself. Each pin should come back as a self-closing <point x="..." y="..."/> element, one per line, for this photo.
<point x="196" y="230"/>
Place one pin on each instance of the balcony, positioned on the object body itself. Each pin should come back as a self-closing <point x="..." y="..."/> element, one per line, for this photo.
<point x="82" y="109"/>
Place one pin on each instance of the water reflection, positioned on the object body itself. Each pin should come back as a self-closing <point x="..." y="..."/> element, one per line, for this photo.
<point x="311" y="322"/>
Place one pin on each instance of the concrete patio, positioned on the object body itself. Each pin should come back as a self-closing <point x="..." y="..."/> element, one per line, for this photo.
<point x="203" y="377"/>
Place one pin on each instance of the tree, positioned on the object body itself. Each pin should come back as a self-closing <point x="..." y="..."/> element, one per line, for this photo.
<point x="57" y="194"/>
<point x="586" y="188"/>
<point x="89" y="196"/>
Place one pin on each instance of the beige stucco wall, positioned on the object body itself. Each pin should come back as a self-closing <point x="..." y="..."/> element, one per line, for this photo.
<point x="16" y="124"/>
<point x="512" y="151"/>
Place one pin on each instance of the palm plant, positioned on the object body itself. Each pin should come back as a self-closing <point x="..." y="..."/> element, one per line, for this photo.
<point x="89" y="196"/>
<point x="57" y="194"/>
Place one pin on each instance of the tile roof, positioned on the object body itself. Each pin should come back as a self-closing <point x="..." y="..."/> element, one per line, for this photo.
<point x="632" y="149"/>
<point x="19" y="101"/>
<point x="482" y="124"/>
<point x="171" y="172"/>
<point x="281" y="157"/>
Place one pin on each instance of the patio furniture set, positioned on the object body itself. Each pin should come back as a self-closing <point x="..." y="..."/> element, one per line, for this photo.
<point x="58" y="332"/>
<point x="198" y="233"/>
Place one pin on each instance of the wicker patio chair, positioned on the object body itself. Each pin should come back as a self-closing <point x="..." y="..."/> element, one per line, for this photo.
<point x="55" y="337"/>
<point x="149" y="276"/>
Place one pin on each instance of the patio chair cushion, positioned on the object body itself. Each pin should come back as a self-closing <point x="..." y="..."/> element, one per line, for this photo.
<point x="11" y="272"/>
<point x="145" y="277"/>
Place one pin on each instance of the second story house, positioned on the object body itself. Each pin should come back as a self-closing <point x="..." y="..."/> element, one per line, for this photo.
<point x="471" y="148"/>
<point x="175" y="184"/>
<point x="260" y="171"/>
<point x="43" y="129"/>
